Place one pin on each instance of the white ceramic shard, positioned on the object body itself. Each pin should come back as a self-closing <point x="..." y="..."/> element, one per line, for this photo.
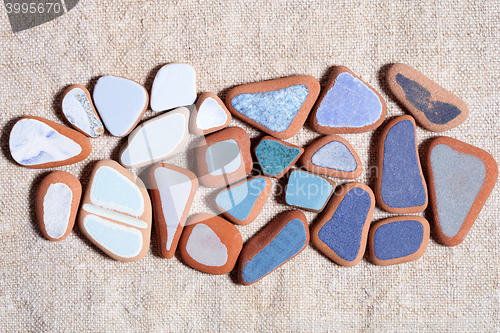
<point x="210" y="115"/>
<point x="223" y="157"/>
<point x="173" y="86"/>
<point x="205" y="247"/>
<point x="33" y="142"/>
<point x="175" y="190"/>
<point x="57" y="209"/>
<point x="78" y="110"/>
<point x="120" y="102"/>
<point x="157" y="139"/>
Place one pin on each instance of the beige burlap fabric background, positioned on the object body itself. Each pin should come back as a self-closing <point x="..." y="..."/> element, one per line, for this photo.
<point x="72" y="286"/>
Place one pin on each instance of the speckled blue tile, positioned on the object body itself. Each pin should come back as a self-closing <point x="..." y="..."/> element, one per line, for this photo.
<point x="308" y="191"/>
<point x="275" y="110"/>
<point x="275" y="158"/>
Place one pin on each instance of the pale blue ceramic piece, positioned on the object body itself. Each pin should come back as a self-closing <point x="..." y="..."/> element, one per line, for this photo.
<point x="307" y="190"/>
<point x="349" y="103"/>
<point x="335" y="155"/>
<point x="458" y="178"/>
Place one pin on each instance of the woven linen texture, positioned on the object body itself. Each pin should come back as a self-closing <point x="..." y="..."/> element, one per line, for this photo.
<point x="71" y="286"/>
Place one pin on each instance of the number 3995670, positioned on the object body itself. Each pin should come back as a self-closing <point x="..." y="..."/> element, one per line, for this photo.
<point x="33" y="8"/>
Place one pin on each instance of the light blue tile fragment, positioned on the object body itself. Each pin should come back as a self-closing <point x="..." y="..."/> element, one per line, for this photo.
<point x="289" y="241"/>
<point x="349" y="103"/>
<point x="275" y="110"/>
<point x="307" y="190"/>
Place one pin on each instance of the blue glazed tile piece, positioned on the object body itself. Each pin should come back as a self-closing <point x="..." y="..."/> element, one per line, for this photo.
<point x="436" y="112"/>
<point x="289" y="241"/>
<point x="398" y="239"/>
<point x="335" y="155"/>
<point x="349" y="103"/>
<point x="308" y="191"/>
<point x="239" y="201"/>
<point x="343" y="232"/>
<point x="274" y="157"/>
<point x="402" y="184"/>
<point x="275" y="110"/>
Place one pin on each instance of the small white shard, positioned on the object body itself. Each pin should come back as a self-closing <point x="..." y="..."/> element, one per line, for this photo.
<point x="79" y="112"/>
<point x="57" y="209"/>
<point x="223" y="157"/>
<point x="205" y="247"/>
<point x="173" y="86"/>
<point x="210" y="115"/>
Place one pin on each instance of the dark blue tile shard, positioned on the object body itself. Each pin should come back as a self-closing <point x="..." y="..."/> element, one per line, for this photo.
<point x="398" y="239"/>
<point x="402" y="184"/>
<point x="342" y="233"/>
<point x="437" y="112"/>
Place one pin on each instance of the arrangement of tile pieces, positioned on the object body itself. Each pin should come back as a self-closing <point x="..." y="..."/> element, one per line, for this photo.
<point x="461" y="178"/>
<point x="332" y="156"/>
<point x="209" y="115"/>
<point x="308" y="191"/>
<point x="280" y="241"/>
<point x="348" y="105"/>
<point x="276" y="157"/>
<point x="434" y="107"/>
<point x="172" y="192"/>
<point x="120" y="102"/>
<point x="341" y="232"/>
<point x="78" y="109"/>
<point x="116" y="209"/>
<point x="173" y="86"/>
<point x="398" y="239"/>
<point x="210" y="244"/>
<point x="56" y="204"/>
<point x="156" y="139"/>
<point x="242" y="202"/>
<point x="277" y="107"/>
<point x="224" y="157"/>
<point x="400" y="186"/>
<point x="116" y="212"/>
<point x="40" y="143"/>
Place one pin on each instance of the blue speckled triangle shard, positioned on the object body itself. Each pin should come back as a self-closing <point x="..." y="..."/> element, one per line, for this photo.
<point x="274" y="157"/>
<point x="276" y="109"/>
